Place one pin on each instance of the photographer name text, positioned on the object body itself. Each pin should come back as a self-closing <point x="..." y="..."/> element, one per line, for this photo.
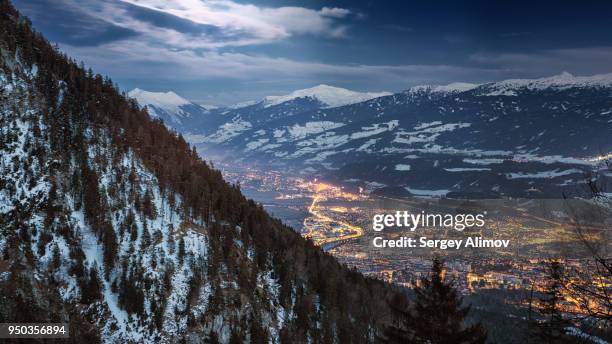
<point x="414" y="221"/>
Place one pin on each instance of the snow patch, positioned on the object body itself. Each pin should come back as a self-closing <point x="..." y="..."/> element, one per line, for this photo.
<point x="466" y="169"/>
<point x="402" y="167"/>
<point x="229" y="130"/>
<point x="427" y="193"/>
<point x="542" y="174"/>
<point x="309" y="128"/>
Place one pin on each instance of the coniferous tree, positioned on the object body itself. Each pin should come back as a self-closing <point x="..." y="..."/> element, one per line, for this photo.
<point x="550" y="327"/>
<point x="145" y="240"/>
<point x="131" y="225"/>
<point x="236" y="337"/>
<point x="92" y="290"/>
<point x="181" y="250"/>
<point x="91" y="195"/>
<point x="56" y="258"/>
<point x="212" y="339"/>
<point x="148" y="208"/>
<point x="401" y="330"/>
<point x="437" y="316"/>
<point x="258" y="334"/>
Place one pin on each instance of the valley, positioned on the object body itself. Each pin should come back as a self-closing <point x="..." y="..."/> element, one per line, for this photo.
<point x="454" y="149"/>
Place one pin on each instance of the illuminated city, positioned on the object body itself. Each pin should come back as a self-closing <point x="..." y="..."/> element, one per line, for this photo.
<point x="339" y="220"/>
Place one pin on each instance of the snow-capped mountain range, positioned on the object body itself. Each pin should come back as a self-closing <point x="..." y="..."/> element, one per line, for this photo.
<point x="174" y="109"/>
<point x="519" y="137"/>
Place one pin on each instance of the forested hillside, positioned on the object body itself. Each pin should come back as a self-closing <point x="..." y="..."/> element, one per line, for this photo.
<point x="113" y="223"/>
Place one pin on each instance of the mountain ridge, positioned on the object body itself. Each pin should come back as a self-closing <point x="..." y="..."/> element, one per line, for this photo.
<point x="328" y="96"/>
<point x="170" y="101"/>
<point x="436" y="129"/>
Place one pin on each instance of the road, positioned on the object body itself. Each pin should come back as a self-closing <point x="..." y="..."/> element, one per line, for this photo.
<point x="323" y="192"/>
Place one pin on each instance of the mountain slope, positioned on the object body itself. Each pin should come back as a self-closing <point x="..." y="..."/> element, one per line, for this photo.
<point x="113" y="223"/>
<point x="518" y="138"/>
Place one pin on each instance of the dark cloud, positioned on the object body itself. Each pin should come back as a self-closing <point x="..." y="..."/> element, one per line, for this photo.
<point x="168" y="21"/>
<point x="64" y="23"/>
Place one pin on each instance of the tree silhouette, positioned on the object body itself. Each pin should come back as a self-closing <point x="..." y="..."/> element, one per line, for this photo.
<point x="550" y="326"/>
<point x="437" y="316"/>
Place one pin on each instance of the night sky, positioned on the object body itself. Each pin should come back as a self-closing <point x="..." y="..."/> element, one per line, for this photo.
<point x="222" y="52"/>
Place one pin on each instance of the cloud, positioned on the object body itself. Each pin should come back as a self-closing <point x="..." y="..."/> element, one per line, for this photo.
<point x="188" y="24"/>
<point x="255" y="76"/>
<point x="237" y="23"/>
<point x="138" y="60"/>
<point x="180" y="42"/>
<point x="334" y="12"/>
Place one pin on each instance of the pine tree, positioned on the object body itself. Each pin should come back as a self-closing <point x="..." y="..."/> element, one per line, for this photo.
<point x="236" y="337"/>
<point x="92" y="290"/>
<point x="551" y="327"/>
<point x="212" y="339"/>
<point x="258" y="334"/>
<point x="56" y="259"/>
<point x="145" y="240"/>
<point x="148" y="208"/>
<point x="110" y="245"/>
<point x="437" y="316"/>
<point x="131" y="225"/>
<point x="181" y="250"/>
<point x="400" y="331"/>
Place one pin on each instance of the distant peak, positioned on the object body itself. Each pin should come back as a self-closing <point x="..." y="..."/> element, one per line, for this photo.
<point x="163" y="100"/>
<point x="168" y="102"/>
<point x="330" y="96"/>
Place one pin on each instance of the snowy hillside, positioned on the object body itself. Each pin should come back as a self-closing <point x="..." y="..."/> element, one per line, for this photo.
<point x="112" y="223"/>
<point x="137" y="266"/>
<point x="461" y="138"/>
